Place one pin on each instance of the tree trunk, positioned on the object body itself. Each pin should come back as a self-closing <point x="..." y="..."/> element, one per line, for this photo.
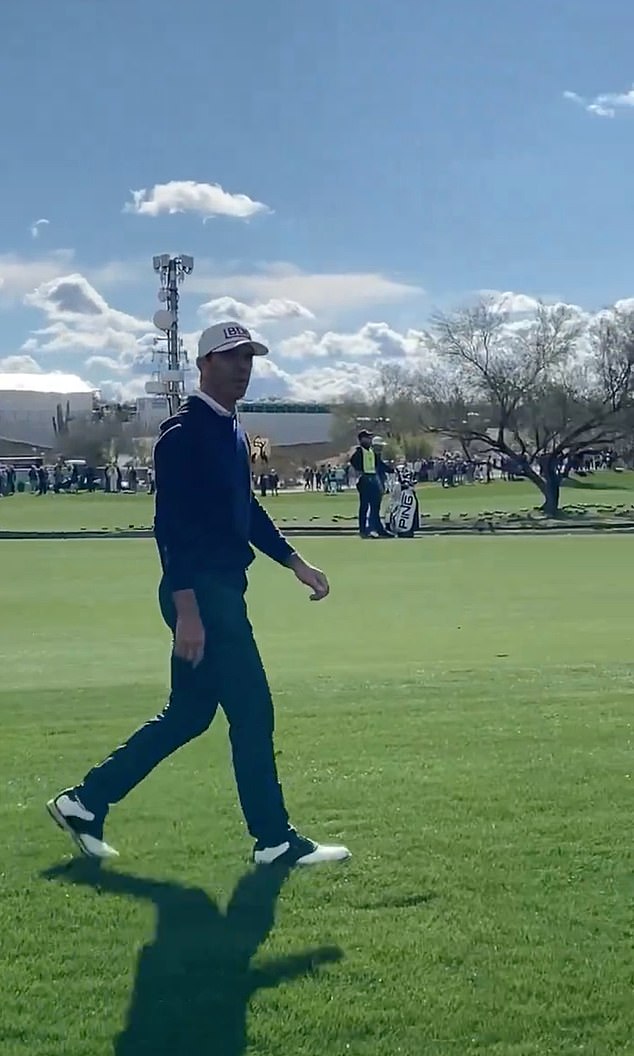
<point x="551" y="490"/>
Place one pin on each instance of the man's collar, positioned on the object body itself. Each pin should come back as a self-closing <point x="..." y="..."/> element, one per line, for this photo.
<point x="215" y="406"/>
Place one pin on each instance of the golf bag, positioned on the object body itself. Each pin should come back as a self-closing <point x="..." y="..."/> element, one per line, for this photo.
<point x="403" y="516"/>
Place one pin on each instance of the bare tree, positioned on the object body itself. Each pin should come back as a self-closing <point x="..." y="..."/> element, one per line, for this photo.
<point x="346" y="418"/>
<point x="96" y="441"/>
<point x="416" y="446"/>
<point x="392" y="409"/>
<point x="541" y="391"/>
<point x="395" y="398"/>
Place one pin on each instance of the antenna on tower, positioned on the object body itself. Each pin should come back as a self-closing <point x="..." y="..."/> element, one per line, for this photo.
<point x="169" y="381"/>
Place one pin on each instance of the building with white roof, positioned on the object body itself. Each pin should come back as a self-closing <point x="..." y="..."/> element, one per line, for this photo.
<point x="31" y="403"/>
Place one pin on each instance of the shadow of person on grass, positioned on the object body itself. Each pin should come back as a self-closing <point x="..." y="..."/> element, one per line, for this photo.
<point x="194" y="981"/>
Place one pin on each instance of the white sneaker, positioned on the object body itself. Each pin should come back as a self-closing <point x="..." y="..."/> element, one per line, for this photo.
<point x="83" y="827"/>
<point x="297" y="850"/>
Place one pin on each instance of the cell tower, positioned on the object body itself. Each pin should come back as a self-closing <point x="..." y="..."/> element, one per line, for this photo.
<point x="169" y="378"/>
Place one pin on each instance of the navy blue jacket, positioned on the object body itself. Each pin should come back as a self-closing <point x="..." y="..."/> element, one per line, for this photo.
<point x="206" y="515"/>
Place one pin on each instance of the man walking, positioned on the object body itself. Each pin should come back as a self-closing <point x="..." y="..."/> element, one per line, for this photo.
<point x="206" y="520"/>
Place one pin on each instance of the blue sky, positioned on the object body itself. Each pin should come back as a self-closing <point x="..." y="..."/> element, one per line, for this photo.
<point x="395" y="156"/>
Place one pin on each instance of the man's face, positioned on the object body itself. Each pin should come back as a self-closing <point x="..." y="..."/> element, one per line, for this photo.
<point x="229" y="372"/>
<point x="365" y="441"/>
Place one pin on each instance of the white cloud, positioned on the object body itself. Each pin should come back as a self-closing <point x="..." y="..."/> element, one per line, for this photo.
<point x="269" y="380"/>
<point x="319" y="292"/>
<point x="66" y="298"/>
<point x="19" y="365"/>
<point x="349" y="362"/>
<point x="115" y="349"/>
<point x="35" y="227"/>
<point x="118" y="366"/>
<point x="119" y="273"/>
<point x="307" y="345"/>
<point x="187" y="196"/>
<point x="522" y="306"/>
<point x="20" y="275"/>
<point x="37" y="381"/>
<point x="509" y="303"/>
<point x="325" y="384"/>
<point x="253" y="315"/>
<point x="600" y="110"/>
<point x="606" y="104"/>
<point x="118" y="347"/>
<point x="71" y="298"/>
<point x="61" y="338"/>
<point x="123" y="391"/>
<point x="79" y="321"/>
<point x="272" y="282"/>
<point x="332" y="383"/>
<point x="371" y="341"/>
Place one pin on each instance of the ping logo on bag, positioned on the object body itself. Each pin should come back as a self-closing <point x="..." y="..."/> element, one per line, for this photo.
<point x="405" y="512"/>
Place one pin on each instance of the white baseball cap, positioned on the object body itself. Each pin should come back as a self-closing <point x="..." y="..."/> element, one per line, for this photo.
<point x="222" y="337"/>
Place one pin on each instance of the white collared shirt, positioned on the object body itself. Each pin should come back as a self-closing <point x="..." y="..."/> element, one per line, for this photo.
<point x="215" y="406"/>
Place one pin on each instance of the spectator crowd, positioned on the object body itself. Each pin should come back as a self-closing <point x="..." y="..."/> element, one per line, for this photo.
<point x="73" y="476"/>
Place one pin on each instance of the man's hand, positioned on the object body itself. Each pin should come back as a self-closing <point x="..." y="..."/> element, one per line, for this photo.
<point x="189" y="637"/>
<point x="310" y="577"/>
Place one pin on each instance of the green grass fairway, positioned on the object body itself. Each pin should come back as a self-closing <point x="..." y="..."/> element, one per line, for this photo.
<point x="459" y="711"/>
<point x="54" y="513"/>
